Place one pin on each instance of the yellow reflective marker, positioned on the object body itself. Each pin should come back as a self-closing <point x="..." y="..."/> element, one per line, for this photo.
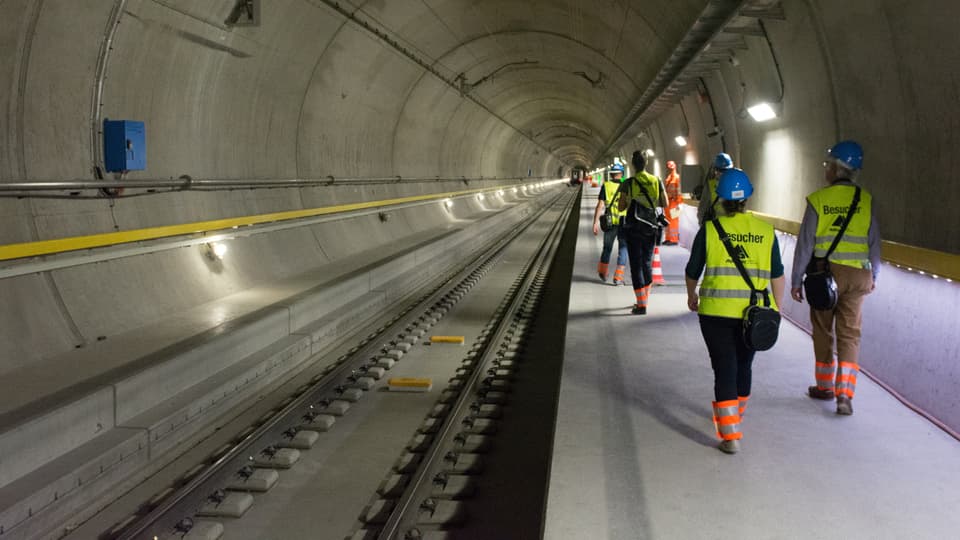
<point x="446" y="339"/>
<point x="410" y="384"/>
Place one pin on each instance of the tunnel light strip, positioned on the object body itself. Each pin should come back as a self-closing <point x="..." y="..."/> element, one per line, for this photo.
<point x="202" y="233"/>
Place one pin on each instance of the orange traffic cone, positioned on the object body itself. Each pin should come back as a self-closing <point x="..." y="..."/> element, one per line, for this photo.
<point x="657" y="269"/>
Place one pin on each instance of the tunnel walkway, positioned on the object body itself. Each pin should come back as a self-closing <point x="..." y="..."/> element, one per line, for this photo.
<point x="634" y="450"/>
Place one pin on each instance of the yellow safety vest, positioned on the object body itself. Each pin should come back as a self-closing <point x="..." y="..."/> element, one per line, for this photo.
<point x="832" y="205"/>
<point x="723" y="292"/>
<point x="651" y="182"/>
<point x="611" y="188"/>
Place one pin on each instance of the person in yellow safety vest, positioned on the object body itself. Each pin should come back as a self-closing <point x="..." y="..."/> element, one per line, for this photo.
<point x="674" y="200"/>
<point x="855" y="265"/>
<point x="608" y="198"/>
<point x="643" y="190"/>
<point x="707" y="208"/>
<point x="724" y="295"/>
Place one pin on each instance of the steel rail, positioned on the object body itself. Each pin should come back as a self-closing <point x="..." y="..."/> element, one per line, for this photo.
<point x="401" y="517"/>
<point x="190" y="496"/>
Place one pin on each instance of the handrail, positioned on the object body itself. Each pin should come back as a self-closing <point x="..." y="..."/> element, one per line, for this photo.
<point x="929" y="261"/>
<point x="74" y="243"/>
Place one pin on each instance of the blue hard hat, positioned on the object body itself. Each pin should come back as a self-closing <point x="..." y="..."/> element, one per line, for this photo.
<point x="734" y="185"/>
<point x="723" y="161"/>
<point x="849" y="153"/>
<point x="616" y="167"/>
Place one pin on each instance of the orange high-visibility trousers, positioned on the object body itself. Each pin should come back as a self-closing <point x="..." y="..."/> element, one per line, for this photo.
<point x="673" y="229"/>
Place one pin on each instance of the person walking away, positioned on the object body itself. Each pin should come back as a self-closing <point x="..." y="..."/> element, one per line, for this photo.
<point x="708" y="209"/>
<point x="674" y="200"/>
<point x="608" y="198"/>
<point x="724" y="295"/>
<point x="854" y="263"/>
<point x="641" y="195"/>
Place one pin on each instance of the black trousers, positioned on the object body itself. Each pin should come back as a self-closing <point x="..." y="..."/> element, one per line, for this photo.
<point x="640" y="244"/>
<point x="732" y="361"/>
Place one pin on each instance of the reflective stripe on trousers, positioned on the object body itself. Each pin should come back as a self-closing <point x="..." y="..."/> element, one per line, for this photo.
<point x="726" y="418"/>
<point x="824" y="374"/>
<point x="743" y="405"/>
<point x="847" y="379"/>
<point x="643" y="295"/>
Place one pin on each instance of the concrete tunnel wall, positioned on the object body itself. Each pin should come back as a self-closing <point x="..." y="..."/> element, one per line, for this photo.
<point x="869" y="71"/>
<point x="309" y="94"/>
<point x="305" y="95"/>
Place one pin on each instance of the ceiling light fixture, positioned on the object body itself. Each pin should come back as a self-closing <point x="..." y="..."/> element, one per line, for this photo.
<point x="762" y="112"/>
<point x="681" y="140"/>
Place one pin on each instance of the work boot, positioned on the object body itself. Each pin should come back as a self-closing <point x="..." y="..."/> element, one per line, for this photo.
<point x="729" y="447"/>
<point x="819" y="393"/>
<point x="617" y="282"/>
<point x="603" y="277"/>
<point x="844" y="405"/>
<point x="639" y="310"/>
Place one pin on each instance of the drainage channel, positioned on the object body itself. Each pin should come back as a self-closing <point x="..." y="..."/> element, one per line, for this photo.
<point x="426" y="494"/>
<point x="223" y="486"/>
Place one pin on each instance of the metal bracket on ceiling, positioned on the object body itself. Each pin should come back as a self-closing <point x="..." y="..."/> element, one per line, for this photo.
<point x="720" y="29"/>
<point x="244" y="13"/>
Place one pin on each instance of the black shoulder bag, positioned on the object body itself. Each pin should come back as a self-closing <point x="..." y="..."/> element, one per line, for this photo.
<point x="606" y="220"/>
<point x="761" y="324"/>
<point x="818" y="283"/>
<point x="639" y="217"/>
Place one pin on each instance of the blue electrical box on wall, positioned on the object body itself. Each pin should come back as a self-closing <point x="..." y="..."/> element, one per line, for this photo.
<point x="124" y="145"/>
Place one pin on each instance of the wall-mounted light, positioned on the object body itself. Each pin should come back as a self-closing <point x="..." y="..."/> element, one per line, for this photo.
<point x="514" y="190"/>
<point x="479" y="196"/>
<point x="649" y="152"/>
<point x="448" y="203"/>
<point x="500" y="192"/>
<point x="762" y="112"/>
<point x="680" y="140"/>
<point x="215" y="250"/>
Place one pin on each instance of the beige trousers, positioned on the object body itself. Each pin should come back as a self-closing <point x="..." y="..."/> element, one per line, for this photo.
<point x="853" y="285"/>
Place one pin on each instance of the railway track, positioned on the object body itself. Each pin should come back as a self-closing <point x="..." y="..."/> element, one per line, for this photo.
<point x="342" y="457"/>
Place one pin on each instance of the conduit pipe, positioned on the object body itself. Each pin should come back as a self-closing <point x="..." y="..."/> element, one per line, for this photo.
<point x="187" y="183"/>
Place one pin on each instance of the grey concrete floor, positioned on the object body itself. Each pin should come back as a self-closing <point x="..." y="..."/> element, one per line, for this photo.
<point x="634" y="451"/>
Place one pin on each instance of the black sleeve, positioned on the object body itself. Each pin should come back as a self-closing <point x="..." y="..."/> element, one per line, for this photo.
<point x="776" y="262"/>
<point x="600" y="195"/>
<point x="698" y="255"/>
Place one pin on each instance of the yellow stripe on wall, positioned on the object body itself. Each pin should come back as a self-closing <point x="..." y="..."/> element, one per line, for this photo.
<point x="74" y="243"/>
<point x="933" y="262"/>
<point x="940" y="263"/>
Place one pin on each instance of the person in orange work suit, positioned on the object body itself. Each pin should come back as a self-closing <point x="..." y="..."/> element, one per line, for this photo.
<point x="674" y="199"/>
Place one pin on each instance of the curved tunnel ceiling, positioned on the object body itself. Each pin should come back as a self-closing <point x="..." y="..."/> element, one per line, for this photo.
<point x="537" y="64"/>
